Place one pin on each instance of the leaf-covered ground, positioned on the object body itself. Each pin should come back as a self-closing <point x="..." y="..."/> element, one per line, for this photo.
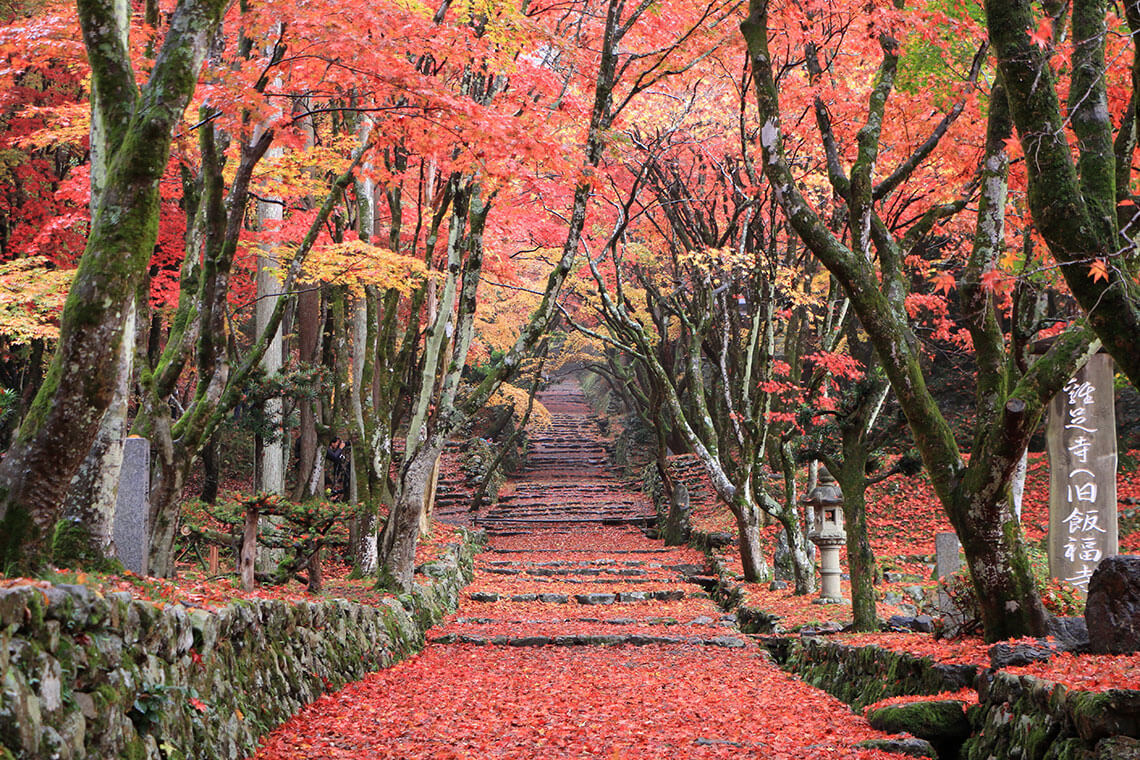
<point x="904" y="517"/>
<point x="195" y="588"/>
<point x="530" y="698"/>
<point x="578" y="640"/>
<point x="464" y="701"/>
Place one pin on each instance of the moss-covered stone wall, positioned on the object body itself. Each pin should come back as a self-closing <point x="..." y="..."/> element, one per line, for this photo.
<point x="91" y="676"/>
<point x="1016" y="716"/>
<point x="1034" y="719"/>
<point x="861" y="675"/>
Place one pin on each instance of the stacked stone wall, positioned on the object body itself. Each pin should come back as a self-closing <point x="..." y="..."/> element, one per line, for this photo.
<point x="93" y="676"/>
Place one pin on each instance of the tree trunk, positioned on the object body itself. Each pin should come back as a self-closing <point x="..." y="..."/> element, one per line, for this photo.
<point x="168" y="475"/>
<point x="309" y="330"/>
<point x="1009" y="602"/>
<point x="248" y="559"/>
<point x="747" y="515"/>
<point x="428" y="510"/>
<point x="316" y="580"/>
<point x="58" y="430"/>
<point x="860" y="557"/>
<point x="398" y="541"/>
<point x="211" y="469"/>
<point x="92" y="497"/>
<point x="271" y="462"/>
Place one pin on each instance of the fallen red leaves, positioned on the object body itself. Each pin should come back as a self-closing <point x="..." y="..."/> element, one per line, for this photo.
<point x="681" y="610"/>
<point x="194" y="588"/>
<point x="589" y="539"/>
<point x="1087" y="672"/>
<point x="963" y="651"/>
<point x="966" y="696"/>
<point x="598" y="703"/>
<point x="796" y="611"/>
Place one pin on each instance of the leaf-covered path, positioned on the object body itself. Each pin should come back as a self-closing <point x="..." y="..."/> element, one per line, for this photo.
<point x="579" y="638"/>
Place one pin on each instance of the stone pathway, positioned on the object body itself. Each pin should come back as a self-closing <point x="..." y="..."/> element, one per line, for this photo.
<point x="579" y="638"/>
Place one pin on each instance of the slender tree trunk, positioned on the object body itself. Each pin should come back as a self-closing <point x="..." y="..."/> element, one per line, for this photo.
<point x="309" y="330"/>
<point x="748" y="521"/>
<point x="211" y="469"/>
<point x="248" y="559"/>
<point x="860" y="558"/>
<point x="271" y="454"/>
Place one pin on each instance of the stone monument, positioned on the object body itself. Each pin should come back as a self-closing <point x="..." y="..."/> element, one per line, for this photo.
<point x="948" y="561"/>
<point x="1081" y="440"/>
<point x="132" y="508"/>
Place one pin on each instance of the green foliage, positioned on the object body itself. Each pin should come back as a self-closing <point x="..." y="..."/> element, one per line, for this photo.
<point x="8" y="401"/>
<point x="478" y="374"/>
<point x="937" y="59"/>
<point x="304" y="529"/>
<point x="294" y="384"/>
<point x="71" y="547"/>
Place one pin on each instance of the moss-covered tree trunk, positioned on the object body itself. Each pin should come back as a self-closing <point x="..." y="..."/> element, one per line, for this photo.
<point x="1010" y="400"/>
<point x="748" y="519"/>
<point x="1075" y="203"/>
<point x="59" y="428"/>
<point x="860" y="558"/>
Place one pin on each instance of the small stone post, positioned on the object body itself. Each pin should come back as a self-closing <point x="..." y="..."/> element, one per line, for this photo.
<point x="947" y="561"/>
<point x="132" y="507"/>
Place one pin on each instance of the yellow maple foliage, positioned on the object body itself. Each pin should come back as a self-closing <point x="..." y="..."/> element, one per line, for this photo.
<point x="32" y="293"/>
<point x="356" y="264"/>
<point x="517" y="398"/>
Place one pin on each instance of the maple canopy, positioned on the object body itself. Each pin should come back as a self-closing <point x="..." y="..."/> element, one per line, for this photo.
<point x="769" y="219"/>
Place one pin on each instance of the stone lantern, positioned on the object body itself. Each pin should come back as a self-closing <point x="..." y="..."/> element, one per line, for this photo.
<point x="826" y="501"/>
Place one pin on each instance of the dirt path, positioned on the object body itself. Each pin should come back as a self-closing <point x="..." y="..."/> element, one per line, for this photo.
<point x="579" y="638"/>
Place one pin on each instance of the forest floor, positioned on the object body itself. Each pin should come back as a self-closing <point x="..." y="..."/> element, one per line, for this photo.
<point x="579" y="638"/>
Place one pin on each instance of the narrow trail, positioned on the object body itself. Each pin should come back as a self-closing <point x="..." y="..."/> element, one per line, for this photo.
<point x="579" y="638"/>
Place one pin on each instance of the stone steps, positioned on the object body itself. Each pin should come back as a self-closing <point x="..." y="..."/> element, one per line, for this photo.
<point x="564" y="549"/>
<point x="601" y="639"/>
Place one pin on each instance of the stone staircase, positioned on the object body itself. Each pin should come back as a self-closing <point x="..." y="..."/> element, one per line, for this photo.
<point x="567" y="562"/>
<point x="569" y="482"/>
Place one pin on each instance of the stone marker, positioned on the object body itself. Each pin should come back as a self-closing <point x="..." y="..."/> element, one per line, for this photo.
<point x="1081" y="439"/>
<point x="1113" y="609"/>
<point x="947" y="560"/>
<point x="132" y="508"/>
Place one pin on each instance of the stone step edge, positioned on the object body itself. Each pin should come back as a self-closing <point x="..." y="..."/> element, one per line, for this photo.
<point x="706" y="621"/>
<point x="634" y="639"/>
<point x="621" y="597"/>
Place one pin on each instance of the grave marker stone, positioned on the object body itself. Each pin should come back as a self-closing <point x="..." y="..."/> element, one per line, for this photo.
<point x="947" y="561"/>
<point x="132" y="508"/>
<point x="1081" y="440"/>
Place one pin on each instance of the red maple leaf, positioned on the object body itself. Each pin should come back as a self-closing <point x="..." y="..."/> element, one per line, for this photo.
<point x="1042" y="36"/>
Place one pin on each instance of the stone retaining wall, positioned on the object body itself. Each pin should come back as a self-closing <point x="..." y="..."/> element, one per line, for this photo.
<point x="91" y="676"/>
<point x="862" y="675"/>
<point x="1017" y="716"/>
<point x="1034" y="719"/>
